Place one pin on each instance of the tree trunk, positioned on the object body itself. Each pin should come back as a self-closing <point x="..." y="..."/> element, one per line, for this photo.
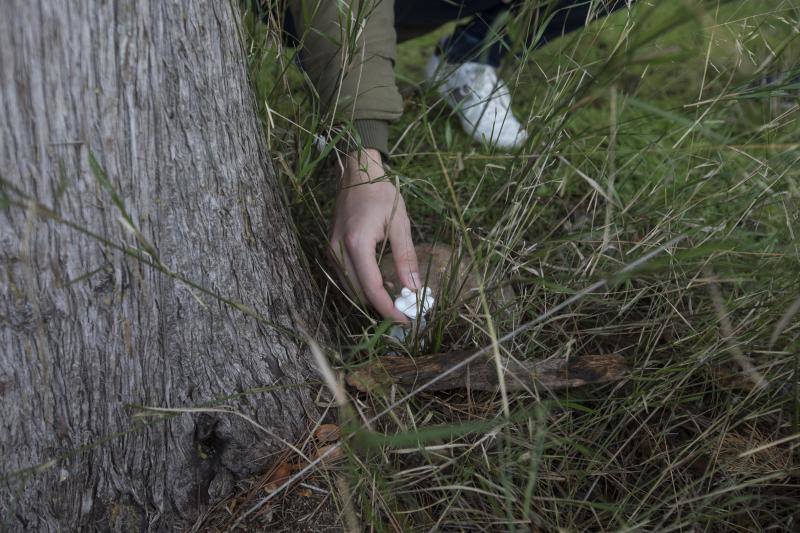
<point x="157" y="92"/>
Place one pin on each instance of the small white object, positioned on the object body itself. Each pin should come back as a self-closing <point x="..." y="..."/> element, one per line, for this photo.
<point x="320" y="142"/>
<point x="481" y="101"/>
<point x="412" y="303"/>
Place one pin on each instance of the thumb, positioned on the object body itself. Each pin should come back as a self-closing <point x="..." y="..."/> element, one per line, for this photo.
<point x="404" y="254"/>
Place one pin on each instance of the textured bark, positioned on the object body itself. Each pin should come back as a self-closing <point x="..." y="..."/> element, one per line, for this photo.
<point x="157" y="90"/>
<point x="481" y="374"/>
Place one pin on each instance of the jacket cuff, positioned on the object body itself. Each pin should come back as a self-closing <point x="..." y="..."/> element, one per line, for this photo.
<point x="373" y="134"/>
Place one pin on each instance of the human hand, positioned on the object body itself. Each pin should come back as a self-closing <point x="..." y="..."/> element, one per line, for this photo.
<point x="369" y="212"/>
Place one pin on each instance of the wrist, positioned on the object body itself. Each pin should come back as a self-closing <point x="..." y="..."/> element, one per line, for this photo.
<point x="362" y="166"/>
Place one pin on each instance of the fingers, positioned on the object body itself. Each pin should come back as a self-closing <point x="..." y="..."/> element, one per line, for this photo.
<point x="362" y="253"/>
<point x="403" y="252"/>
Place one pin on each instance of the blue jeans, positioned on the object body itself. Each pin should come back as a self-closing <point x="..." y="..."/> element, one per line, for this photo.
<point x="482" y="38"/>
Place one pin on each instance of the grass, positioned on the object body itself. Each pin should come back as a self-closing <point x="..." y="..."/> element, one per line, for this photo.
<point x="649" y="124"/>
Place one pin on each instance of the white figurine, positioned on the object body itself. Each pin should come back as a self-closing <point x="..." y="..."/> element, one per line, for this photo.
<point x="411" y="303"/>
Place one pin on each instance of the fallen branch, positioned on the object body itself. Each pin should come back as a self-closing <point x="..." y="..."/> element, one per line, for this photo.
<point x="481" y="374"/>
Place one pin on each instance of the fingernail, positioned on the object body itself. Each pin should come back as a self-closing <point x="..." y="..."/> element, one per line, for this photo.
<point x="415" y="279"/>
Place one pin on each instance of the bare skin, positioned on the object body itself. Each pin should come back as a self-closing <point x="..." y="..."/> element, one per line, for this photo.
<point x="370" y="210"/>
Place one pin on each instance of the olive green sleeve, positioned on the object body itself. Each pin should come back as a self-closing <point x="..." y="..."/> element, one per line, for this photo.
<point x="348" y="51"/>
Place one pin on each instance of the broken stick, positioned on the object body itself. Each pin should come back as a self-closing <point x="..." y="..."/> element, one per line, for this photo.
<point x="481" y="374"/>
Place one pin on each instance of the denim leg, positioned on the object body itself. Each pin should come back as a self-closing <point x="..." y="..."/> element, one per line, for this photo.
<point x="571" y="15"/>
<point x="483" y="39"/>
<point x="474" y="40"/>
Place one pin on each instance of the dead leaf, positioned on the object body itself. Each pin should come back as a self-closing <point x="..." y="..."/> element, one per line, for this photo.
<point x="327" y="433"/>
<point x="446" y="280"/>
<point x="278" y="476"/>
<point x="435" y="262"/>
<point x="332" y="457"/>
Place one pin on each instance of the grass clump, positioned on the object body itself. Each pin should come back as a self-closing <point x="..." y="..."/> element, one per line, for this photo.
<point x="665" y="120"/>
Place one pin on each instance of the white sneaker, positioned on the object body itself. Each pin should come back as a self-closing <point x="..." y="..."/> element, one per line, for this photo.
<point x="480" y="99"/>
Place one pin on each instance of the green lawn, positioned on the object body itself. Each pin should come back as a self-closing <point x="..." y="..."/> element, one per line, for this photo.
<point x="647" y="126"/>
